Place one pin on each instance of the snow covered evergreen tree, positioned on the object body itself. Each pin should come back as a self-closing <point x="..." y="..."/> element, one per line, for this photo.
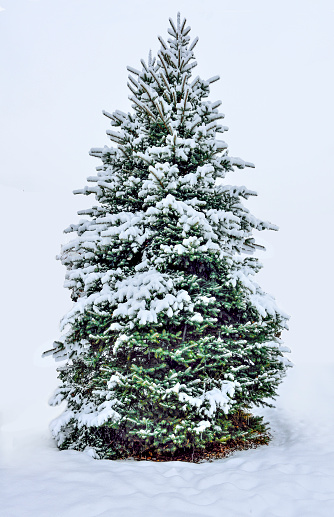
<point x="169" y="338"/>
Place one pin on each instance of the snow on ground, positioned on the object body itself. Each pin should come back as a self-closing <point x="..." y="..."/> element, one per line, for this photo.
<point x="292" y="477"/>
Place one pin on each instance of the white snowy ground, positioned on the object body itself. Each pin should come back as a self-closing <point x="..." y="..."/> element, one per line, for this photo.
<point x="292" y="477"/>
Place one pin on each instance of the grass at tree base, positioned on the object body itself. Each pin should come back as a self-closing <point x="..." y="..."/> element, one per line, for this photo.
<point x="212" y="451"/>
<point x="249" y="433"/>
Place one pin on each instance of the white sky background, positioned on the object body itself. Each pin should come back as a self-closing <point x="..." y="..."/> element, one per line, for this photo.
<point x="64" y="61"/>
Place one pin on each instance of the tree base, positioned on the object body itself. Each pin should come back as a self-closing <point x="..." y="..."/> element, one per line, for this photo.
<point x="211" y="451"/>
<point x="248" y="432"/>
<point x="245" y="431"/>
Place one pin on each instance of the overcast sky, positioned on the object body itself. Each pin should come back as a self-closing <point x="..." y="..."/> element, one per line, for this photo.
<point x="63" y="61"/>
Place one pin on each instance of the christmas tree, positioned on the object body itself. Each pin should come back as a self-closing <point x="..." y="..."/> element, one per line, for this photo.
<point x="170" y="341"/>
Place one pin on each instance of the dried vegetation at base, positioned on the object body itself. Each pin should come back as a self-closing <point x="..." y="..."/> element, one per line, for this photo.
<point x="218" y="449"/>
<point x="212" y="451"/>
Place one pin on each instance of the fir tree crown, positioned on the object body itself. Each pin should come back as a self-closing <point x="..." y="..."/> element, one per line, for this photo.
<point x="169" y="333"/>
